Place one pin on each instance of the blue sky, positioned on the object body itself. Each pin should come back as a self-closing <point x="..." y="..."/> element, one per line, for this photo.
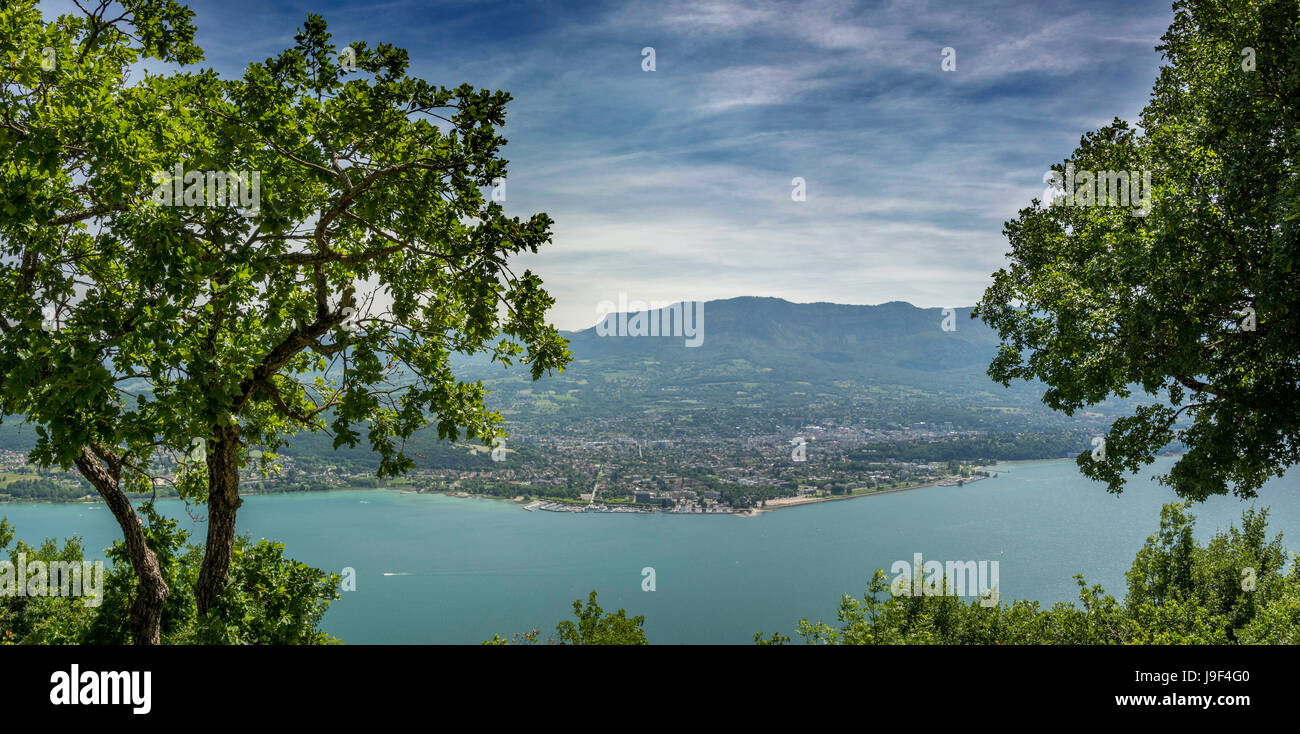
<point x="676" y="183"/>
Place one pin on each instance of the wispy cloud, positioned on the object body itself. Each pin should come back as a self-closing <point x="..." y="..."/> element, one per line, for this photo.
<point x="676" y="183"/>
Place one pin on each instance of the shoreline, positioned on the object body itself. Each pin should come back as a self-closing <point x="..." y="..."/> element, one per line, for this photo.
<point x="786" y="502"/>
<point x="752" y="512"/>
<point x="97" y="500"/>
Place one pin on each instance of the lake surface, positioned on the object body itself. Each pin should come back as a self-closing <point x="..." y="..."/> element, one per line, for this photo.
<point x="439" y="569"/>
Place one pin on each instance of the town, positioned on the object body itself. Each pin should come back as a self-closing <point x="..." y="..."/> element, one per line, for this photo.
<point x="575" y="473"/>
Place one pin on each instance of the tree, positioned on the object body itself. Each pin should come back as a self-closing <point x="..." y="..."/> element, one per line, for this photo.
<point x="65" y="161"/>
<point x="1193" y="304"/>
<point x="178" y="324"/>
<point x="614" y="628"/>
<point x="272" y="600"/>
<point x="43" y="619"/>
<point x="1236" y="589"/>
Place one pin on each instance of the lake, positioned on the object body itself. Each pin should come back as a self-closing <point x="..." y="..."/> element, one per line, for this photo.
<point x="439" y="569"/>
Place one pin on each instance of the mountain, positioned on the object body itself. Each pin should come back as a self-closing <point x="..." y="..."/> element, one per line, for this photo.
<point x="764" y="365"/>
<point x="892" y="362"/>
<point x="894" y="342"/>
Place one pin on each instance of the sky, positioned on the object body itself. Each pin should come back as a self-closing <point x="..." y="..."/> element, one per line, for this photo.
<point x="676" y="183"/>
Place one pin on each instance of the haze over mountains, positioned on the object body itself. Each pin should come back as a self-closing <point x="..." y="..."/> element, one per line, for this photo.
<point x="893" y="342"/>
<point x="894" y="359"/>
<point x="765" y="364"/>
<point x="766" y="367"/>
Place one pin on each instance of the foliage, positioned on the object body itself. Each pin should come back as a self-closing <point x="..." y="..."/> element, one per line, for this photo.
<point x="1233" y="590"/>
<point x="180" y="256"/>
<point x="613" y="628"/>
<point x="42" y="619"/>
<point x="270" y="600"/>
<point x="190" y="317"/>
<point x="1195" y="302"/>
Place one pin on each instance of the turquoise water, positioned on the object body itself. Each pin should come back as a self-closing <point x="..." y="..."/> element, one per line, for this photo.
<point x="438" y="569"/>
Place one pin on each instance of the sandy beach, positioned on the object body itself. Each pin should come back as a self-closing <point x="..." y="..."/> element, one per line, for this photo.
<point x="783" y="502"/>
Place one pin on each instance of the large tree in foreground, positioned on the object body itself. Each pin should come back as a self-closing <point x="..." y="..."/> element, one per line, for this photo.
<point x="145" y="316"/>
<point x="74" y="140"/>
<point x="1195" y="303"/>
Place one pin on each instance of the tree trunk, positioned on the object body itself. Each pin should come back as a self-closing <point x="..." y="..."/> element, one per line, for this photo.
<point x="223" y="503"/>
<point x="151" y="589"/>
